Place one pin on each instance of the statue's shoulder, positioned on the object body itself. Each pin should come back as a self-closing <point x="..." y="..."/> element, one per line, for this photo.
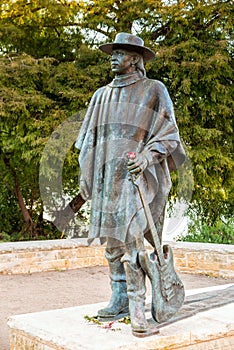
<point x="156" y="86"/>
<point x="97" y="94"/>
<point x="154" y="83"/>
<point x="99" y="91"/>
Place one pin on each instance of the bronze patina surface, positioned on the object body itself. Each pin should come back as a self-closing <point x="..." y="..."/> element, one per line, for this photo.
<point x="131" y="114"/>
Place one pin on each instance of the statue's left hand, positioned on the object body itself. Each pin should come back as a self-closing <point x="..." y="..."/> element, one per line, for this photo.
<point x="137" y="165"/>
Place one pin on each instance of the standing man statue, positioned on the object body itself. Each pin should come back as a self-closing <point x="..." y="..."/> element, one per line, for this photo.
<point x="131" y="114"/>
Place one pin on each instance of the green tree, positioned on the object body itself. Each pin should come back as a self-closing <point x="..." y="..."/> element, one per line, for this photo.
<point x="50" y="66"/>
<point x="27" y="117"/>
<point x="40" y="28"/>
<point x="37" y="94"/>
<point x="195" y="60"/>
<point x="194" y="45"/>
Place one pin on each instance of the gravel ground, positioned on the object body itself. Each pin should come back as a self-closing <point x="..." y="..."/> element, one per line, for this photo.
<point x="20" y="294"/>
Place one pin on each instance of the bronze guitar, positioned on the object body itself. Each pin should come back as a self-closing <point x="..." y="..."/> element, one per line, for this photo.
<point x="167" y="288"/>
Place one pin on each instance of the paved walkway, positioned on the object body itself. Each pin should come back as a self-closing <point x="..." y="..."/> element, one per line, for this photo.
<point x="20" y="294"/>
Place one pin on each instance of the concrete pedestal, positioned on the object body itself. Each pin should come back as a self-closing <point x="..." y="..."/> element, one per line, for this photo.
<point x="67" y="329"/>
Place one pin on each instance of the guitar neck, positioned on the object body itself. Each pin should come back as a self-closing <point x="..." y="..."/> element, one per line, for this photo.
<point x="158" y="248"/>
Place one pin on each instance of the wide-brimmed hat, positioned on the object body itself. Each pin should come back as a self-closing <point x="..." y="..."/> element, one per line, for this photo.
<point x="128" y="42"/>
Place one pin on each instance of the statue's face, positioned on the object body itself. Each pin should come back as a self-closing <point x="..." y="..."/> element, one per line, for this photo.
<point x="122" y="62"/>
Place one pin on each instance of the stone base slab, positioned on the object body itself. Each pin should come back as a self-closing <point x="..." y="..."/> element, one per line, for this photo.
<point x="67" y="329"/>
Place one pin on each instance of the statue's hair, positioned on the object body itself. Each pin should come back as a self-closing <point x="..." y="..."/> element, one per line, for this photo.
<point x="140" y="64"/>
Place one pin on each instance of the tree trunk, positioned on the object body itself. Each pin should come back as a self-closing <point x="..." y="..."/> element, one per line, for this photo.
<point x="19" y="196"/>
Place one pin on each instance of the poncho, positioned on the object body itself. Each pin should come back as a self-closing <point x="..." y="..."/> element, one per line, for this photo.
<point x="132" y="113"/>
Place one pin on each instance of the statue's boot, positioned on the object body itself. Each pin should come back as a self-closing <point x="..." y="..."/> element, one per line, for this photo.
<point x="118" y="305"/>
<point x="136" y="294"/>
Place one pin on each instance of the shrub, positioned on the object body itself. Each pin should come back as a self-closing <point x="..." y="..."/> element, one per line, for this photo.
<point x="221" y="232"/>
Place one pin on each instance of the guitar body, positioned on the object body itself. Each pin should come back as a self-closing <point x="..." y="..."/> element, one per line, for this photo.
<point x="167" y="288"/>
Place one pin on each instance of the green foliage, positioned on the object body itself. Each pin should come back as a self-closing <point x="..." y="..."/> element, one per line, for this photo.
<point x="11" y="218"/>
<point x="194" y="45"/>
<point x="40" y="28"/>
<point x="50" y="66"/>
<point x="93" y="319"/>
<point x="37" y="94"/>
<point x="221" y="233"/>
<point x="194" y="60"/>
<point x="27" y="116"/>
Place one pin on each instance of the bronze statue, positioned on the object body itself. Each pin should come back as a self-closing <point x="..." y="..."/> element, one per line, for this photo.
<point x="129" y="142"/>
